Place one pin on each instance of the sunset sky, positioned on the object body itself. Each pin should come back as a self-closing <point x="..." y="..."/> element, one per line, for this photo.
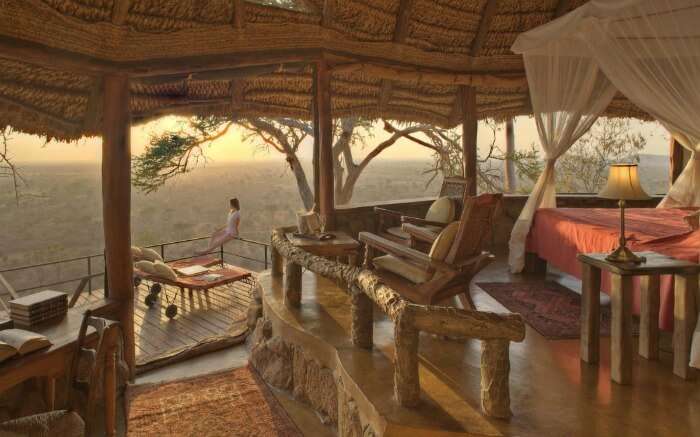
<point x="32" y="149"/>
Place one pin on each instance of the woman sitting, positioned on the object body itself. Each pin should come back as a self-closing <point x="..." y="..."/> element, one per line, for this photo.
<point x="229" y="232"/>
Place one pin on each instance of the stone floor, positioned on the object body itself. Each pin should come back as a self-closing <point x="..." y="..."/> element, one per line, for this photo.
<point x="553" y="393"/>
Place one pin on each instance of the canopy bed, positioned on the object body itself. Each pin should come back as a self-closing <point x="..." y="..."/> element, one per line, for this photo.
<point x="645" y="49"/>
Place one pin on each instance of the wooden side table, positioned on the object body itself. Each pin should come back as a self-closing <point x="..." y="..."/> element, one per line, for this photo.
<point x="685" y="315"/>
<point x="342" y="246"/>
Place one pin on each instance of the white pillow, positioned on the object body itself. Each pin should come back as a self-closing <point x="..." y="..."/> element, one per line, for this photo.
<point x="441" y="211"/>
<point x="442" y="244"/>
<point x="164" y="271"/>
<point x="136" y="253"/>
<point x="150" y="255"/>
<point x="145" y="266"/>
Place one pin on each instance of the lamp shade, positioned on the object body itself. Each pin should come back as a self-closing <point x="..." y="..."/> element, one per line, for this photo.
<point x="623" y="184"/>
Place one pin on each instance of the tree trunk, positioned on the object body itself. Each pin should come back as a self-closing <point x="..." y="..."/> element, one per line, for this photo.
<point x="510" y="183"/>
<point x="307" y="196"/>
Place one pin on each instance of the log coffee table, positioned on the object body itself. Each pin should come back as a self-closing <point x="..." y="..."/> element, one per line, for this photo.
<point x="685" y="315"/>
<point x="343" y="246"/>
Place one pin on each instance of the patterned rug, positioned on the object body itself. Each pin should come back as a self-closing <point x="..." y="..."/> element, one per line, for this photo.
<point x="230" y="403"/>
<point x="550" y="308"/>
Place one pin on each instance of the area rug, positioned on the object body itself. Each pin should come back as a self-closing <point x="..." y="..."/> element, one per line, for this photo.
<point x="230" y="403"/>
<point x="550" y="308"/>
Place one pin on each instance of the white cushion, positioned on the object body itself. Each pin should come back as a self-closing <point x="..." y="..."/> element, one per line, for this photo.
<point x="402" y="268"/>
<point x="164" y="271"/>
<point x="145" y="266"/>
<point x="150" y="255"/>
<point x="441" y="211"/>
<point x="442" y="244"/>
<point x="136" y="253"/>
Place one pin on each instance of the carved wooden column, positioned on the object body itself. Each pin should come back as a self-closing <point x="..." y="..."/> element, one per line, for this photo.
<point x="495" y="371"/>
<point x="322" y="114"/>
<point x="292" y="284"/>
<point x="469" y="132"/>
<point x="362" y="328"/>
<point x="277" y="261"/>
<point x="406" y="379"/>
<point x="116" y="203"/>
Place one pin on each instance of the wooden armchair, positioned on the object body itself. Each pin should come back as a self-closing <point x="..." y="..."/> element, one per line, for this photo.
<point x="455" y="257"/>
<point x="442" y="212"/>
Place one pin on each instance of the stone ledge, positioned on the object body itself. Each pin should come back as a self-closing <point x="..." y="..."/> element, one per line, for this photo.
<point x="313" y="341"/>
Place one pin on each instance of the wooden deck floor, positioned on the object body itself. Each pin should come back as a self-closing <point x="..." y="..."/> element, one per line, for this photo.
<point x="205" y="321"/>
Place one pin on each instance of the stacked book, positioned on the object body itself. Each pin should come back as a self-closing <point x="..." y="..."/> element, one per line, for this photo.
<point x="38" y="308"/>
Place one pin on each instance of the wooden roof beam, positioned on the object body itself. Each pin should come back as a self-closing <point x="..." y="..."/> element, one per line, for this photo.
<point x="327" y="13"/>
<point x="93" y="113"/>
<point x="403" y="19"/>
<point x="120" y="12"/>
<point x="562" y="8"/>
<point x="387" y="88"/>
<point x="224" y="74"/>
<point x="239" y="14"/>
<point x="487" y="15"/>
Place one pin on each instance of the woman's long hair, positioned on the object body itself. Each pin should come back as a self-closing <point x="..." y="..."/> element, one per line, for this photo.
<point x="235" y="204"/>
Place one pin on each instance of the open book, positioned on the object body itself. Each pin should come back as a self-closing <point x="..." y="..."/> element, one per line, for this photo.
<point x="20" y="342"/>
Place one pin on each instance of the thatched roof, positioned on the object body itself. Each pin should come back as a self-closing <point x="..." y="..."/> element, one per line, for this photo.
<point x="394" y="59"/>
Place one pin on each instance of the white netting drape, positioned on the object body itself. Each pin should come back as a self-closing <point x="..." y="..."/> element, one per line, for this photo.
<point x="571" y="93"/>
<point x="649" y="50"/>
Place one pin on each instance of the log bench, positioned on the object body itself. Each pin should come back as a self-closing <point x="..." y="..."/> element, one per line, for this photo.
<point x="495" y="331"/>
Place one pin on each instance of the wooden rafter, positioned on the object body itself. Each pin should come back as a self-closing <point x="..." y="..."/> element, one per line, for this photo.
<point x="120" y="12"/>
<point x="239" y="14"/>
<point x="562" y="8"/>
<point x="403" y="19"/>
<point x="487" y="15"/>
<point x="327" y="13"/>
<point x="237" y="93"/>
<point x="224" y="74"/>
<point x="93" y="113"/>
<point x="385" y="92"/>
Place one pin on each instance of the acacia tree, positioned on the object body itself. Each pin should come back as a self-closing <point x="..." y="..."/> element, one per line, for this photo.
<point x="8" y="169"/>
<point x="178" y="151"/>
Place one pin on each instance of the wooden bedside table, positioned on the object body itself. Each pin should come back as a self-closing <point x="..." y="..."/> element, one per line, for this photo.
<point x="686" y="286"/>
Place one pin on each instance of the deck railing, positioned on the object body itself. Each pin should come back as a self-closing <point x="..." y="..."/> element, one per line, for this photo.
<point x="94" y="264"/>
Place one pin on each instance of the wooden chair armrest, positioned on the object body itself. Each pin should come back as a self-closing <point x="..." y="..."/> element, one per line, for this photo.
<point x="392" y="248"/>
<point x="387" y="212"/>
<point x="483" y="257"/>
<point x="420" y="233"/>
<point x="421" y="222"/>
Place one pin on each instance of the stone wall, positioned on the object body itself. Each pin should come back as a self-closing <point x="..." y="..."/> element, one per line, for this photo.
<point x="361" y="217"/>
<point x="288" y="367"/>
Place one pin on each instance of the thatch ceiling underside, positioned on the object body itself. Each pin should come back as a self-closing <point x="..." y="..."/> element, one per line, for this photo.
<point x="160" y="42"/>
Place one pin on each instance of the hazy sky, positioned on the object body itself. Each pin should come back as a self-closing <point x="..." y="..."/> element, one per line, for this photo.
<point x="32" y="149"/>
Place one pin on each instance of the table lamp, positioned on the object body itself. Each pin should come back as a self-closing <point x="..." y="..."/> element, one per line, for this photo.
<point x="623" y="184"/>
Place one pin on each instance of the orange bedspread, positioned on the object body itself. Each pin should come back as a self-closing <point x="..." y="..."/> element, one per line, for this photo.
<point x="558" y="234"/>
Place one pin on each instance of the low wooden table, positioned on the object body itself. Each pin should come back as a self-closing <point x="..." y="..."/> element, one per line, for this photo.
<point x="342" y="246"/>
<point x="685" y="315"/>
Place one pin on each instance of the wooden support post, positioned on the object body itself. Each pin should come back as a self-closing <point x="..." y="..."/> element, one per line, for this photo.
<point x="469" y="132"/>
<point x="406" y="379"/>
<point x="317" y="145"/>
<point x="277" y="261"/>
<point x="495" y="371"/>
<point x="590" y="313"/>
<point x="649" y="317"/>
<point x="116" y="204"/>
<point x="621" y="329"/>
<point x="362" y="319"/>
<point x="292" y="284"/>
<point x="684" y="319"/>
<point x="676" y="164"/>
<point x="110" y="393"/>
<point x="322" y="113"/>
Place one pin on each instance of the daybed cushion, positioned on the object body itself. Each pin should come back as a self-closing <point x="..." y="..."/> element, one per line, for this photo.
<point x="150" y="255"/>
<point x="145" y="266"/>
<point x="164" y="271"/>
<point x="442" y="211"/>
<point x="402" y="268"/>
<point x="136" y="253"/>
<point x="442" y="244"/>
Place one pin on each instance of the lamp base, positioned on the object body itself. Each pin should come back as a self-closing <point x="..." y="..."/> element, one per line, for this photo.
<point x="625" y="256"/>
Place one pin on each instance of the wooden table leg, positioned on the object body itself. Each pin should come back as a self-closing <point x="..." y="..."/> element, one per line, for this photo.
<point x="50" y="392"/>
<point x="590" y="314"/>
<point x="649" y="317"/>
<point x="685" y="316"/>
<point x="292" y="284"/>
<point x="110" y="393"/>
<point x="621" y="353"/>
